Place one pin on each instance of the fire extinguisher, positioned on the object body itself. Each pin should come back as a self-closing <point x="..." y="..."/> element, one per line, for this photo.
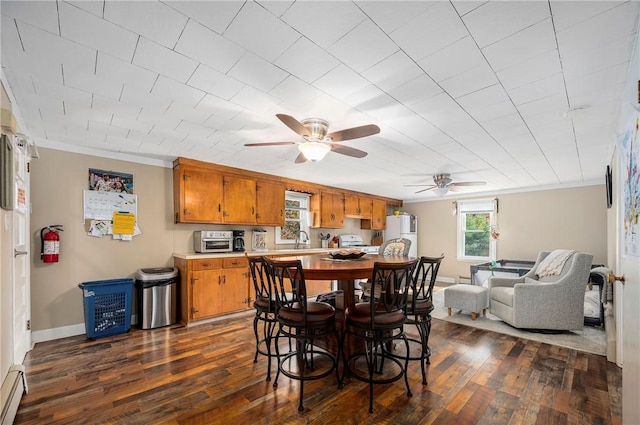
<point x="50" y="243"/>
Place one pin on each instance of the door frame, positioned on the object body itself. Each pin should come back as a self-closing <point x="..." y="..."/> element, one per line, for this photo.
<point x="21" y="241"/>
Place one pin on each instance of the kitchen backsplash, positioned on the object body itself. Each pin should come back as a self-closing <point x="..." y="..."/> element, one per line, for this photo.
<point x="183" y="234"/>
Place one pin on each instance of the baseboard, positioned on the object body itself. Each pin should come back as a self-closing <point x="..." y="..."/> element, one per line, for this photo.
<point x="57" y="333"/>
<point x="14" y="386"/>
<point x="64" y="332"/>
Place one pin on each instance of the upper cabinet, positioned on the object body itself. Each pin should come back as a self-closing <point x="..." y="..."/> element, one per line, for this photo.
<point x="270" y="203"/>
<point x="197" y="195"/>
<point x="239" y="205"/>
<point x="379" y="216"/>
<point x="328" y="209"/>
<point x="357" y="207"/>
<point x="207" y="196"/>
<point x="215" y="194"/>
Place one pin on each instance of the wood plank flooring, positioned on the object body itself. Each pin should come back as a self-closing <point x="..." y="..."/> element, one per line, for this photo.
<point x="205" y="375"/>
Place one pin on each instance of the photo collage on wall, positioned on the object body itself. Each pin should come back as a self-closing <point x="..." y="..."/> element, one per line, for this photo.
<point x="110" y="206"/>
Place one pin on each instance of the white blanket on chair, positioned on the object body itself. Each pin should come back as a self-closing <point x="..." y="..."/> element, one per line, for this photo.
<point x="554" y="262"/>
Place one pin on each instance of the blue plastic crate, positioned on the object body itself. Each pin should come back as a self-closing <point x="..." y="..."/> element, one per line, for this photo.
<point x="107" y="306"/>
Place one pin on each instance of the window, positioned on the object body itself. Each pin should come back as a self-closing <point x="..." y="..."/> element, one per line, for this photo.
<point x="296" y="217"/>
<point x="475" y="220"/>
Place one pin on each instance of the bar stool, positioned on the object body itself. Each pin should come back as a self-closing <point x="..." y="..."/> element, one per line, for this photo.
<point x="420" y="306"/>
<point x="265" y="306"/>
<point x="305" y="321"/>
<point x="378" y="323"/>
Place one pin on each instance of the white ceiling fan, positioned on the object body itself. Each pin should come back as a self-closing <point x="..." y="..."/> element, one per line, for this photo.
<point x="443" y="183"/>
<point x="317" y="142"/>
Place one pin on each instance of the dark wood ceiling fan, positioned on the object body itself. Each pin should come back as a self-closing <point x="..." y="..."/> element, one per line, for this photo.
<point x="317" y="142"/>
<point x="443" y="183"/>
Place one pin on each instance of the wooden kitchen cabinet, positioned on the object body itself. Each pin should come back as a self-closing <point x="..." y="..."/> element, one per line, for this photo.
<point x="379" y="216"/>
<point x="328" y="209"/>
<point x="270" y="198"/>
<point x="197" y="195"/>
<point x="214" y="194"/>
<point x="357" y="207"/>
<point x="213" y="287"/>
<point x="239" y="200"/>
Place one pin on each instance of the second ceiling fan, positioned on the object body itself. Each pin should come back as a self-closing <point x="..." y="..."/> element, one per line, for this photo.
<point x="443" y="183"/>
<point x="317" y="142"/>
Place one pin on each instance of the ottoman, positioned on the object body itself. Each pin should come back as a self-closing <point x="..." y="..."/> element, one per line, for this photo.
<point x="468" y="298"/>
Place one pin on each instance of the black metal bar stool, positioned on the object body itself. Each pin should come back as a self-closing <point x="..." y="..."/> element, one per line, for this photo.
<point x="265" y="306"/>
<point x="305" y="321"/>
<point x="420" y="305"/>
<point x="377" y="323"/>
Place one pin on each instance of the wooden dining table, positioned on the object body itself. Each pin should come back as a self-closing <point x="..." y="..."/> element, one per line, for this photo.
<point x="345" y="272"/>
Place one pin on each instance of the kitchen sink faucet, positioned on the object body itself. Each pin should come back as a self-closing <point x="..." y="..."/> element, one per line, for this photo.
<point x="298" y="240"/>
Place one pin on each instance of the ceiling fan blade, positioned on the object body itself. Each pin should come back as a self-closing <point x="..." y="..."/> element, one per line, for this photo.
<point x="354" y="133"/>
<point x="293" y="124"/>
<point x="469" y="183"/>
<point x="428" y="188"/>
<point x="271" y="144"/>
<point x="300" y="158"/>
<point x="346" y="150"/>
<point x="417" y="185"/>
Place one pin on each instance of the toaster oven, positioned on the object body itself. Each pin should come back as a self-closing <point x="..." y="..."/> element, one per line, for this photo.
<point x="208" y="241"/>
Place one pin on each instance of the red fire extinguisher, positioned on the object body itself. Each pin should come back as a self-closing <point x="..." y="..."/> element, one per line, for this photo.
<point x="50" y="243"/>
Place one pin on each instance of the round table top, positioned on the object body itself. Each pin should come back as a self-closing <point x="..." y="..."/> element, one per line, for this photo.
<point x="323" y="267"/>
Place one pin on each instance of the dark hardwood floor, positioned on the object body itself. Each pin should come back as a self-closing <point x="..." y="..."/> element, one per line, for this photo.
<point x="205" y="375"/>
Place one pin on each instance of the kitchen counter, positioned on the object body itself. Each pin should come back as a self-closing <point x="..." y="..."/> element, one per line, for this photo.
<point x="301" y="251"/>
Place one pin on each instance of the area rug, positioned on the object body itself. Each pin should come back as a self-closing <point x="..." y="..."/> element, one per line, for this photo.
<point x="590" y="339"/>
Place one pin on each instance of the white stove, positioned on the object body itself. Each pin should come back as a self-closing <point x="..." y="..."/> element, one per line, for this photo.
<point x="355" y="241"/>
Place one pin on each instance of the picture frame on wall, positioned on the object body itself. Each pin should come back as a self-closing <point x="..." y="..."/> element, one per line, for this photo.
<point x="110" y="181"/>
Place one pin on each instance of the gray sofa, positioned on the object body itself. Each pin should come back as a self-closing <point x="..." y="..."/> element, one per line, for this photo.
<point x="548" y="303"/>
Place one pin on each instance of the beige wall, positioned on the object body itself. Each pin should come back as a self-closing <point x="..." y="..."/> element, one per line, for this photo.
<point x="529" y="222"/>
<point x="57" y="181"/>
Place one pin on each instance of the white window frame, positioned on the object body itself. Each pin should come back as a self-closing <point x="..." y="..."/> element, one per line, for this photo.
<point x="305" y="216"/>
<point x="470" y="207"/>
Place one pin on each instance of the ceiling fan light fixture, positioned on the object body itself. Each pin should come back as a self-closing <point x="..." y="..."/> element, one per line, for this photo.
<point x="314" y="151"/>
<point x="317" y="128"/>
<point x="440" y="191"/>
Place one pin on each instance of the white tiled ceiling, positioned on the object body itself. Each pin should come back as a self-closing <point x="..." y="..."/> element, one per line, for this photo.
<point x="519" y="94"/>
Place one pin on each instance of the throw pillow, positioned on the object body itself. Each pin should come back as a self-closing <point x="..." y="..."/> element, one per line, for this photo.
<point x="396" y="249"/>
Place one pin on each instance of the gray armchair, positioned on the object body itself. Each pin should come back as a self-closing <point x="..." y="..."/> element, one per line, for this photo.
<point x="551" y="302"/>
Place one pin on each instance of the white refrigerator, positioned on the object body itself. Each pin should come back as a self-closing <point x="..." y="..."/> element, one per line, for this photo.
<point x="403" y="226"/>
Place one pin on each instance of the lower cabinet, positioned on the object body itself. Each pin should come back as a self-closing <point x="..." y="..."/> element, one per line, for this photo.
<point x="213" y="286"/>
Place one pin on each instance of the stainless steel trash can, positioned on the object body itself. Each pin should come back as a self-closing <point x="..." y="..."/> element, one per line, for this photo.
<point x="157" y="292"/>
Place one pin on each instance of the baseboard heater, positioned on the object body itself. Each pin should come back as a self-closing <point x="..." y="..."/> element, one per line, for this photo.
<point x="13" y="387"/>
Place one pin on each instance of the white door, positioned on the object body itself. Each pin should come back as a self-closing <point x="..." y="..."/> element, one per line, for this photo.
<point x="21" y="242"/>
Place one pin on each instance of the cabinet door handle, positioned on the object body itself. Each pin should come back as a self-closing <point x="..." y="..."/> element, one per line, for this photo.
<point x="206" y="264"/>
<point x="224" y="279"/>
<point x="253" y="210"/>
<point x="219" y="280"/>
